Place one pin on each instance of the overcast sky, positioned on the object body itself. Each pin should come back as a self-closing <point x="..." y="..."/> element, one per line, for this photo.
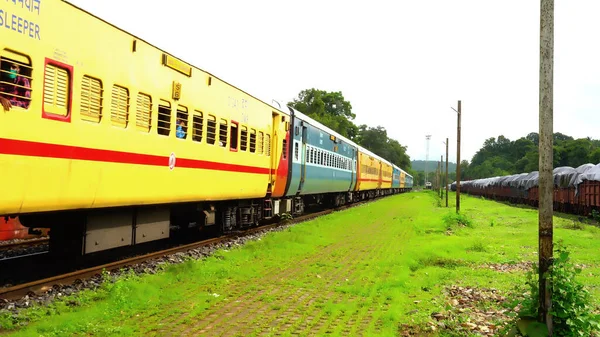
<point x="401" y="64"/>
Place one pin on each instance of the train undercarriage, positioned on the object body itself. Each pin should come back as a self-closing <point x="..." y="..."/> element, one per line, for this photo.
<point x="86" y="232"/>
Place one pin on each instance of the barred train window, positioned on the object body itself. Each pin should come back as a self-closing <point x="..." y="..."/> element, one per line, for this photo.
<point x="295" y="151"/>
<point x="259" y="142"/>
<point x="21" y="91"/>
<point x="223" y="133"/>
<point x="182" y="120"/>
<point x="211" y="129"/>
<point x="252" y="140"/>
<point x="143" y="115"/>
<point x="198" y="125"/>
<point x="234" y="136"/>
<point x="244" y="139"/>
<point x="56" y="90"/>
<point x="91" y="99"/>
<point x="119" y="107"/>
<point x="268" y="145"/>
<point x="284" y="149"/>
<point x="164" y="118"/>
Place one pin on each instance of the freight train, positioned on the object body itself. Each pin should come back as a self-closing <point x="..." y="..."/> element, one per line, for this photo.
<point x="111" y="142"/>
<point x="576" y="190"/>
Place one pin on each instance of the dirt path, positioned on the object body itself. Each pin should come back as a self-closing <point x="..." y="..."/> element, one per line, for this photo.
<point x="306" y="298"/>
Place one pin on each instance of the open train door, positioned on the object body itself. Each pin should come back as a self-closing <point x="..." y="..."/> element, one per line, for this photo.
<point x="279" y="154"/>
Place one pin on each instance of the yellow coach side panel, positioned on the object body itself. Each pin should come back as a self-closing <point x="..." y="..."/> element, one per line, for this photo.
<point x="51" y="161"/>
<point x="369" y="172"/>
<point x="386" y="175"/>
<point x="402" y="179"/>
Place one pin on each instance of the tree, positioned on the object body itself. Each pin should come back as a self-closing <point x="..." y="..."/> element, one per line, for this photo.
<point x="377" y="141"/>
<point x="333" y="111"/>
<point x="328" y="108"/>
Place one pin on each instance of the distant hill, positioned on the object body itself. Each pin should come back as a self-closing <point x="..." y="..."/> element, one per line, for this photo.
<point x="419" y="165"/>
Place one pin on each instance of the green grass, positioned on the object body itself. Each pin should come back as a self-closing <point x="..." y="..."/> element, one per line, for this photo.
<point x="363" y="271"/>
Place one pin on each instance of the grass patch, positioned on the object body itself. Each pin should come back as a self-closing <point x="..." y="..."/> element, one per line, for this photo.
<point x="377" y="269"/>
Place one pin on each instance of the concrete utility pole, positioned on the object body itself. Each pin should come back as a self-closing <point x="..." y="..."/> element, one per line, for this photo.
<point x="446" y="184"/>
<point x="458" y="159"/>
<point x="546" y="157"/>
<point x="427" y="137"/>
<point x="441" y="176"/>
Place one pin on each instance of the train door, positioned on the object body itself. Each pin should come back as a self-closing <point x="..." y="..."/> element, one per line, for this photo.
<point x="352" y="170"/>
<point x="380" y="165"/>
<point x="279" y="158"/>
<point x="303" y="130"/>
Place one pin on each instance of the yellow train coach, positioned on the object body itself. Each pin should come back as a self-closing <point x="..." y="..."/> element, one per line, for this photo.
<point x="374" y="174"/>
<point x="92" y="124"/>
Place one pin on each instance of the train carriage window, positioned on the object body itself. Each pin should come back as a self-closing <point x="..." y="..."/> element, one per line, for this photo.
<point x="284" y="149"/>
<point x="91" y="99"/>
<point x="234" y="136"/>
<point x="296" y="151"/>
<point x="164" y="118"/>
<point x="244" y="139"/>
<point x="57" y="83"/>
<point x="211" y="129"/>
<point x="119" y="107"/>
<point x="268" y="145"/>
<point x="15" y="79"/>
<point x="198" y="126"/>
<point x="223" y="133"/>
<point x="259" y="142"/>
<point x="181" y="125"/>
<point x="322" y="158"/>
<point x="252" y="140"/>
<point x="143" y="116"/>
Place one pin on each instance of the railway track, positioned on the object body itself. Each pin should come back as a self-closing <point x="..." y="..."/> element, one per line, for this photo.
<point x="40" y="286"/>
<point x="24" y="244"/>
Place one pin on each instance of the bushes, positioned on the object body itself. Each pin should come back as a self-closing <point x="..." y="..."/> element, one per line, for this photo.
<point x="571" y="310"/>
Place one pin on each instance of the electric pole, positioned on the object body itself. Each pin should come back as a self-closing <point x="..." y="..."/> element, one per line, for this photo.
<point x="441" y="175"/>
<point x="546" y="183"/>
<point x="427" y="137"/>
<point x="458" y="159"/>
<point x="446" y="172"/>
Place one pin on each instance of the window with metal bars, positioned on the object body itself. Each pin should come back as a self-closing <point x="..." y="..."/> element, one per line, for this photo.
<point x="223" y="133"/>
<point x="284" y="149"/>
<point x="252" y="140"/>
<point x="234" y="136"/>
<point x="268" y="145"/>
<point x="143" y="112"/>
<point x="56" y="90"/>
<point x="244" y="139"/>
<point x="296" y="152"/>
<point x="164" y="118"/>
<point x="198" y="126"/>
<point x="91" y="99"/>
<point x="259" y="142"/>
<point x="211" y="129"/>
<point x="182" y="122"/>
<point x="17" y="90"/>
<point x="119" y="107"/>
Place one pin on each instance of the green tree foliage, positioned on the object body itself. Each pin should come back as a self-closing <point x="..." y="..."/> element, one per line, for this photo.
<point x="328" y="108"/>
<point x="501" y="156"/>
<point x="332" y="110"/>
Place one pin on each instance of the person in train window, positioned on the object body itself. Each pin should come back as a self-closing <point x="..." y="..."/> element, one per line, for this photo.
<point x="180" y="128"/>
<point x="14" y="88"/>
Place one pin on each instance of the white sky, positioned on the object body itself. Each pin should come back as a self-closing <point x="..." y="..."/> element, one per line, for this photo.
<point x="401" y="64"/>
